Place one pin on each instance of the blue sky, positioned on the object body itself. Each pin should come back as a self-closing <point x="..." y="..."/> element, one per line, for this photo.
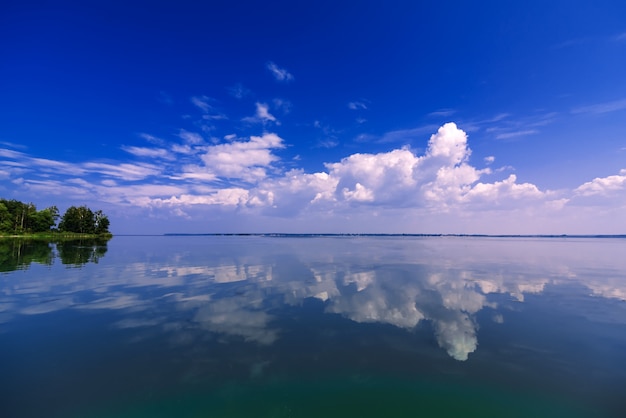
<point x="415" y="117"/>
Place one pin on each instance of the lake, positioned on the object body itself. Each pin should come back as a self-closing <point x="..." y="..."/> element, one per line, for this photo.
<point x="287" y="326"/>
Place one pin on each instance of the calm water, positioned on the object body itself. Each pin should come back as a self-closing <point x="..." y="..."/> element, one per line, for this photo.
<point x="312" y="327"/>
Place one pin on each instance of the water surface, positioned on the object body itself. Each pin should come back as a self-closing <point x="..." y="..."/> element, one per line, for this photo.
<point x="313" y="326"/>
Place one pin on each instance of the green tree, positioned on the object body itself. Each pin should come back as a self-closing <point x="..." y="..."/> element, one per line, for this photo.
<point x="102" y="223"/>
<point x="6" y="224"/>
<point x="45" y="219"/>
<point x="79" y="220"/>
<point x="18" y="217"/>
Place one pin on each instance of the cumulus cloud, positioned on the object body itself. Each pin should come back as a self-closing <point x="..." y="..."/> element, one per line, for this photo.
<point x="280" y="74"/>
<point x="244" y="174"/>
<point x="603" y="185"/>
<point x="246" y="160"/>
<point x="440" y="178"/>
<point x="507" y="189"/>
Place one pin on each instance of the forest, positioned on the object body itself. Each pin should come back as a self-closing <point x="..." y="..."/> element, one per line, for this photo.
<point x="19" y="218"/>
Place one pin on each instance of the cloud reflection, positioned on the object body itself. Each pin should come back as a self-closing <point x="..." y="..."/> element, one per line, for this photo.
<point x="239" y="291"/>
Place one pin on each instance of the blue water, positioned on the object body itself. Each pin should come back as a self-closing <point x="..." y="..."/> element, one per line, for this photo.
<point x="262" y="326"/>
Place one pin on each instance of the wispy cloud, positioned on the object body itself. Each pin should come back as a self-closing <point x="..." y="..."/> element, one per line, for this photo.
<point x="129" y="172"/>
<point x="599" y="108"/>
<point x="202" y="103"/>
<point x="12" y="145"/>
<point x="498" y="117"/>
<point x="8" y="153"/>
<point x="152" y="139"/>
<point x="148" y="152"/>
<point x="516" y="134"/>
<point x="442" y="113"/>
<point x="262" y="115"/>
<point x="191" y="138"/>
<point x="280" y="74"/>
<point x="327" y="143"/>
<point x="358" y="105"/>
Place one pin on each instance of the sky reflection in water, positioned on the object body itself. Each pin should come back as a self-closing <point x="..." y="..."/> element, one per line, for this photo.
<point x="213" y="322"/>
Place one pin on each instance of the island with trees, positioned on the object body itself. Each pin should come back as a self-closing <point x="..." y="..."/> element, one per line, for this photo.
<point x="18" y="219"/>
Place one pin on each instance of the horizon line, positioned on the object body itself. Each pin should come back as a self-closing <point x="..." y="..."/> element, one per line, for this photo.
<point x="365" y="234"/>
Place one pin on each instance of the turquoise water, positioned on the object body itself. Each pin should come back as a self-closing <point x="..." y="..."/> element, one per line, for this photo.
<point x="254" y="326"/>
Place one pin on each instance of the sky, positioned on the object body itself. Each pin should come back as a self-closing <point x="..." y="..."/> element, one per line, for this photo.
<point x="318" y="117"/>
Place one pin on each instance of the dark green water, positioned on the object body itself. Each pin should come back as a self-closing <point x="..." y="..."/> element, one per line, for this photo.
<point x="318" y="326"/>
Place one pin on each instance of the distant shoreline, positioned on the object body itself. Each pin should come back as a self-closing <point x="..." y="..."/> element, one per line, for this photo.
<point x="271" y="234"/>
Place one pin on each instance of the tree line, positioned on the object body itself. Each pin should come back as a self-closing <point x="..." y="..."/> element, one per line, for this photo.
<point x="18" y="218"/>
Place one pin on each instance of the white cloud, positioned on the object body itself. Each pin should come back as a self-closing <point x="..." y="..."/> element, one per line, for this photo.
<point x="262" y="115"/>
<point x="385" y="175"/>
<point x="190" y="138"/>
<point x="359" y="194"/>
<point x="450" y="143"/>
<point x="489" y="159"/>
<point x="280" y="74"/>
<point x="441" y="178"/>
<point x="124" y="171"/>
<point x="246" y="160"/>
<point x="507" y="189"/>
<point x="393" y="191"/>
<point x="7" y="153"/>
<point x="148" y="152"/>
<point x="262" y="112"/>
<point x="152" y="139"/>
<point x="516" y="134"/>
<point x="225" y="197"/>
<point x="603" y="185"/>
